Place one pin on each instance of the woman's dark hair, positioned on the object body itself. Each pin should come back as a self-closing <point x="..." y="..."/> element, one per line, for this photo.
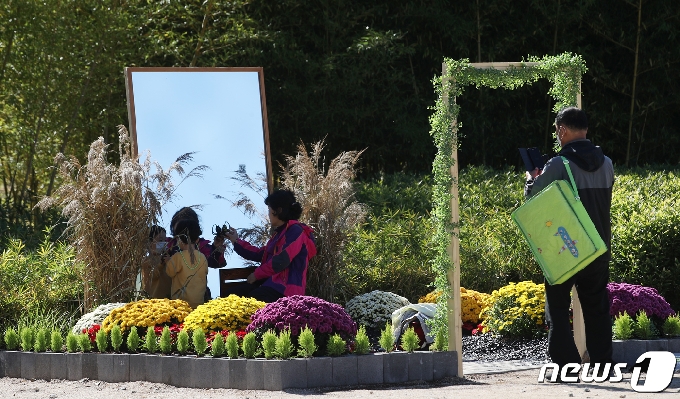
<point x="187" y="230"/>
<point x="185" y="213"/>
<point x="154" y="231"/>
<point x="284" y="204"/>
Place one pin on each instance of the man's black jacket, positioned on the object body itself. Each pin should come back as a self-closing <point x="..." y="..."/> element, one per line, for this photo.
<point x="594" y="176"/>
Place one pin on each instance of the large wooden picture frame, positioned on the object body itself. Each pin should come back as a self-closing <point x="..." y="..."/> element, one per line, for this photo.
<point x="220" y="116"/>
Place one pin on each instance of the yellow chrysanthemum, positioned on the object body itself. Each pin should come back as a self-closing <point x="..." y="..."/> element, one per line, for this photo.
<point x="147" y="313"/>
<point x="231" y="313"/>
<point x="516" y="310"/>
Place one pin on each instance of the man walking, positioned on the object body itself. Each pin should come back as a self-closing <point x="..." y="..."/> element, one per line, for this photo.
<point x="594" y="176"/>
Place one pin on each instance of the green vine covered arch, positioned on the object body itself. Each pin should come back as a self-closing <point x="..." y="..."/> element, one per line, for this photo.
<point x="564" y="73"/>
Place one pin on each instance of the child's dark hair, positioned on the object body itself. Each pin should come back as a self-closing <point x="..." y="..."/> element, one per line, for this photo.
<point x="185" y="213"/>
<point x="188" y="231"/>
<point x="284" y="204"/>
<point x="154" y="231"/>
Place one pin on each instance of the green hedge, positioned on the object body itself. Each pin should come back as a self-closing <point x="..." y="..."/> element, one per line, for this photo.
<point x="41" y="287"/>
<point x="646" y="231"/>
<point x="390" y="253"/>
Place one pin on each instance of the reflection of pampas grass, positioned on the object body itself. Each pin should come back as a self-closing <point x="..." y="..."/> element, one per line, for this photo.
<point x="328" y="206"/>
<point x="109" y="210"/>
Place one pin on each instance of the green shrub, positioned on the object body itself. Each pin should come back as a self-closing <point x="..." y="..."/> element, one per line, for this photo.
<point x="646" y="231"/>
<point x="217" y="347"/>
<point x="27" y="338"/>
<point x="623" y="326"/>
<point x="116" y="338"/>
<point x="440" y="341"/>
<point x="48" y="272"/>
<point x="84" y="343"/>
<point x="410" y="340"/>
<point x="249" y="345"/>
<point x="183" y="342"/>
<point x="56" y="342"/>
<point x="42" y="339"/>
<point x="492" y="251"/>
<point x="133" y="340"/>
<point x="269" y="344"/>
<point x="644" y="328"/>
<point x="165" y="343"/>
<point x="200" y="344"/>
<point x="284" y="346"/>
<point x="388" y="253"/>
<point x="516" y="311"/>
<point x="71" y="342"/>
<point x="671" y="326"/>
<point x="386" y="339"/>
<point x="150" y="342"/>
<point x="306" y="343"/>
<point x="11" y="339"/>
<point x="102" y="340"/>
<point x="361" y="342"/>
<point x="336" y="345"/>
<point x="232" y="346"/>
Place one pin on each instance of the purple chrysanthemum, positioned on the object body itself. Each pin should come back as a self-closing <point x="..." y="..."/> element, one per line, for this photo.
<point x="296" y="312"/>
<point x="633" y="298"/>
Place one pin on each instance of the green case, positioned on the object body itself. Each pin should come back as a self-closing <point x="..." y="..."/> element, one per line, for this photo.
<point x="559" y="231"/>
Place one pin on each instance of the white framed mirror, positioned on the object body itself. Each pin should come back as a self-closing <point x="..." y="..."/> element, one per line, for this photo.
<point x="219" y="114"/>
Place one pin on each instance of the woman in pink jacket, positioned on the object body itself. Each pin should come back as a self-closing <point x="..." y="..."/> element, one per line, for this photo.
<point x="285" y="257"/>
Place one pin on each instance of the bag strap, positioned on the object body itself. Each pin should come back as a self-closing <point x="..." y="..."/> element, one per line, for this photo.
<point x="571" y="177"/>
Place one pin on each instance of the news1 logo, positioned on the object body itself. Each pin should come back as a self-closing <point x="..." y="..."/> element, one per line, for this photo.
<point x="659" y="372"/>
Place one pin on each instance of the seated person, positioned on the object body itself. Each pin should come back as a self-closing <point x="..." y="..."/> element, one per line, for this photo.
<point x="155" y="282"/>
<point x="285" y="257"/>
<point x="188" y="268"/>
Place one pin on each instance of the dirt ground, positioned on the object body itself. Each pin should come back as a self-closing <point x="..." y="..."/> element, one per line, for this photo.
<point x="519" y="384"/>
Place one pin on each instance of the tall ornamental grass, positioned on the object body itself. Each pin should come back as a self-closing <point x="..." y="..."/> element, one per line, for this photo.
<point x="109" y="210"/>
<point x="327" y="196"/>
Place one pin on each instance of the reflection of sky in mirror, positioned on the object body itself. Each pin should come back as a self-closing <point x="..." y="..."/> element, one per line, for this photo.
<point x="218" y="115"/>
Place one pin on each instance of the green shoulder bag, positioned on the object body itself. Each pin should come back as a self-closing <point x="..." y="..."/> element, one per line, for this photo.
<point x="559" y="231"/>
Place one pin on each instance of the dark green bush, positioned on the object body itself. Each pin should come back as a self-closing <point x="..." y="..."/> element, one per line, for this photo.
<point x="646" y="231"/>
<point x="493" y="253"/>
<point x="390" y="253"/>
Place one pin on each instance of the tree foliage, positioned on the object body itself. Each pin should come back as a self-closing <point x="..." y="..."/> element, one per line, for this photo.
<point x="355" y="72"/>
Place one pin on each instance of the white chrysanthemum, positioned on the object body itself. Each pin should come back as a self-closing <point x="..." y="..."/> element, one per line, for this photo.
<point x="375" y="308"/>
<point x="96" y="316"/>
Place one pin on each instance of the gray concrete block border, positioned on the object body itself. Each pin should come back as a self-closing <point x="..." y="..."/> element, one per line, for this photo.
<point x="207" y="372"/>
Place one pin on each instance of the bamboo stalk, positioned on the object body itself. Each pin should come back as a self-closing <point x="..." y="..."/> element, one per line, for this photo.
<point x="635" y="69"/>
